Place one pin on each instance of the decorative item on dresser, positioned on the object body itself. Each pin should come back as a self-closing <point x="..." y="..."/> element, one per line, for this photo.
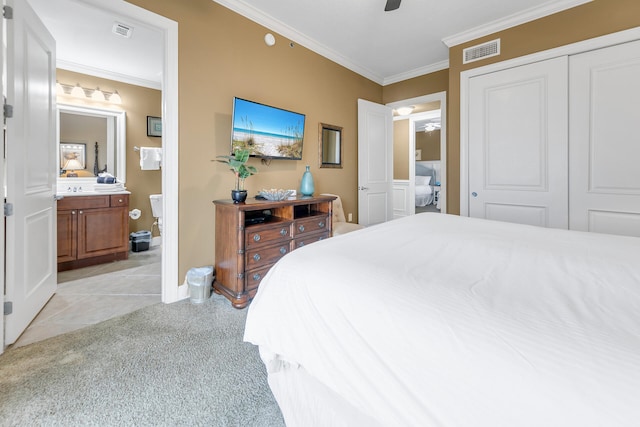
<point x="252" y="236"/>
<point x="237" y="165"/>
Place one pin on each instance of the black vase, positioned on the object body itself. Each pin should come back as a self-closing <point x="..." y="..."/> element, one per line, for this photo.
<point x="238" y="195"/>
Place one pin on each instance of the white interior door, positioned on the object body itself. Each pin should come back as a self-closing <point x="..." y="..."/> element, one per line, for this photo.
<point x="375" y="163"/>
<point x="518" y="145"/>
<point x="31" y="169"/>
<point x="604" y="143"/>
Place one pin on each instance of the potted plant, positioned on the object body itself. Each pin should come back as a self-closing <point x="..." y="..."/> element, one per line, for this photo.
<point x="237" y="164"/>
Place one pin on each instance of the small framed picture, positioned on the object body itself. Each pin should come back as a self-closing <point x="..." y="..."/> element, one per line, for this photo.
<point x="154" y="126"/>
<point x="73" y="156"/>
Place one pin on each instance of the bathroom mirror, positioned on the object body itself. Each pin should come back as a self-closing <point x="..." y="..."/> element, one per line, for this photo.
<point x="101" y="135"/>
<point x="330" y="146"/>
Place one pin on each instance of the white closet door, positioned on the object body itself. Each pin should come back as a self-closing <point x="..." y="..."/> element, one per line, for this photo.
<point x="605" y="140"/>
<point x="518" y="144"/>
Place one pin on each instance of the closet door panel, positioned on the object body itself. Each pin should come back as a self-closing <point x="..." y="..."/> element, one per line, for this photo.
<point x="604" y="140"/>
<point x="518" y="144"/>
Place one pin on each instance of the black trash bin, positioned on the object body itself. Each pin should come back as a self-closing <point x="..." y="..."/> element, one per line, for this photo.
<point x="140" y="240"/>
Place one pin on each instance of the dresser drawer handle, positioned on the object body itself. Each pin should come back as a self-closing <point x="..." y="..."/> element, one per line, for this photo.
<point x="301" y="227"/>
<point x="256" y="257"/>
<point x="283" y="250"/>
<point x="257" y="277"/>
<point x="283" y="232"/>
<point x="321" y="224"/>
<point x="256" y="237"/>
<point x="301" y="244"/>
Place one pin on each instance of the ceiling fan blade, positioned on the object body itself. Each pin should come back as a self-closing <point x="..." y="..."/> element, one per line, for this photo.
<point x="392" y="5"/>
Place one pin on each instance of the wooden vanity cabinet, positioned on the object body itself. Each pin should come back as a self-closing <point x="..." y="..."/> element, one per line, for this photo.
<point x="246" y="250"/>
<point x="92" y="230"/>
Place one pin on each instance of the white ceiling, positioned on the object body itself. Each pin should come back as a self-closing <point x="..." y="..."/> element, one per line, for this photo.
<point x="385" y="47"/>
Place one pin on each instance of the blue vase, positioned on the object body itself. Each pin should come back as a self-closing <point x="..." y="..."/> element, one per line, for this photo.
<point x="306" y="186"/>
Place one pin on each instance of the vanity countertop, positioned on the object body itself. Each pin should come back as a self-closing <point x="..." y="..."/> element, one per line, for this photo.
<point x="90" y="193"/>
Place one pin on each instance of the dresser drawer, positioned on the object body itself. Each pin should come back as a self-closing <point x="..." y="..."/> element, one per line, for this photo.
<point x="253" y="277"/>
<point x="265" y="234"/>
<point x="266" y="255"/>
<point x="310" y="225"/>
<point x="305" y="240"/>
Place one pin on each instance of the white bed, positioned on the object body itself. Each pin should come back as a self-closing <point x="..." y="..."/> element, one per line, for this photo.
<point x="491" y="324"/>
<point x="424" y="191"/>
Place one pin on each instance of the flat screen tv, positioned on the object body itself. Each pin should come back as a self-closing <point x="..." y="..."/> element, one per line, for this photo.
<point x="267" y="132"/>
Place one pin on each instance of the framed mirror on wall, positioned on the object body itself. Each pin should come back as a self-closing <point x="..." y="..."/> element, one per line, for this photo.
<point x="97" y="136"/>
<point x="330" y="143"/>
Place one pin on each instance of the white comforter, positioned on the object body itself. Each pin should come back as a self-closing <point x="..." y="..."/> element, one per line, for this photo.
<point x="480" y="324"/>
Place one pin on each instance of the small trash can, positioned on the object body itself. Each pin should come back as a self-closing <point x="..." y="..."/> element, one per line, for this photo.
<point x="140" y="240"/>
<point x="200" y="280"/>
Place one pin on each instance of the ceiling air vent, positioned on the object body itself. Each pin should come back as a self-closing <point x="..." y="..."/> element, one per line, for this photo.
<point x="122" y="29"/>
<point x="481" y="51"/>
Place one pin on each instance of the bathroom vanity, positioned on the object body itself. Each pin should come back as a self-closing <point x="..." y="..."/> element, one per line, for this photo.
<point x="92" y="229"/>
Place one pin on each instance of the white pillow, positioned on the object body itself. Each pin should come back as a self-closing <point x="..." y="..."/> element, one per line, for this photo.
<point x="423" y="180"/>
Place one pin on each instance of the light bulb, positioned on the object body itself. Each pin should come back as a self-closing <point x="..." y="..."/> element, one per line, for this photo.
<point x="115" y="98"/>
<point x="97" y="95"/>
<point x="77" y="91"/>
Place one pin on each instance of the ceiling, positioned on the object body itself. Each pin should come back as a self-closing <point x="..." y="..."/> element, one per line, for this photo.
<point x="385" y="47"/>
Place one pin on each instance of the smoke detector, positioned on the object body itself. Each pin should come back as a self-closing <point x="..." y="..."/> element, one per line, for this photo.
<point x="122" y="30"/>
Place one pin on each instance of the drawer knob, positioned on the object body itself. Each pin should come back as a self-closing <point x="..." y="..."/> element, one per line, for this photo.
<point x="301" y="244"/>
<point x="301" y="227"/>
<point x="256" y="277"/>
<point x="119" y="200"/>
<point x="256" y="257"/>
<point x="321" y="224"/>
<point x="283" y="232"/>
<point x="283" y="250"/>
<point x="256" y="237"/>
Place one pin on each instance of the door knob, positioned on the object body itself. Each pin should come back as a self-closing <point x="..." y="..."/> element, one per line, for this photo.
<point x="474" y="194"/>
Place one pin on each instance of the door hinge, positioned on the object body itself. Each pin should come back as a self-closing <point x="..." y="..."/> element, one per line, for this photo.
<point x="7" y="12"/>
<point x="8" y="111"/>
<point x="8" y="307"/>
<point x="8" y="209"/>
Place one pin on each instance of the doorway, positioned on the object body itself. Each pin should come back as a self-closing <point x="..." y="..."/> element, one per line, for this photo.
<point x="427" y="111"/>
<point x="168" y="31"/>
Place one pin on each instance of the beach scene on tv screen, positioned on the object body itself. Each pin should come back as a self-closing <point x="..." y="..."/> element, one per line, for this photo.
<point x="267" y="131"/>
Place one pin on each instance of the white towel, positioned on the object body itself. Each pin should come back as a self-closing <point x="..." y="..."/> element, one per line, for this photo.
<point x="150" y="158"/>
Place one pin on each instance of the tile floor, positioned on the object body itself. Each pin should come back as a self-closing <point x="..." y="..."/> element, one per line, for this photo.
<point x="93" y="294"/>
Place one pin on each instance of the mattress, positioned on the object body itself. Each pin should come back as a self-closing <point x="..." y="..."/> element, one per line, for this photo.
<point x="489" y="324"/>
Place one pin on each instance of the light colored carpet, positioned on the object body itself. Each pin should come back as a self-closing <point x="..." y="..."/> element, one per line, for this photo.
<point x="164" y="365"/>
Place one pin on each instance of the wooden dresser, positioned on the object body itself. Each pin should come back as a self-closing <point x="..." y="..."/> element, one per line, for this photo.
<point x="247" y="248"/>
<point x="92" y="230"/>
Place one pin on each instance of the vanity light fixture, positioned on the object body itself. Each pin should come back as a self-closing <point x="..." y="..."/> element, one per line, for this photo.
<point x="96" y="94"/>
<point x="405" y="111"/>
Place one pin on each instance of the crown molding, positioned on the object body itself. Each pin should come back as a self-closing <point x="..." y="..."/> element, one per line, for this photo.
<point x="286" y="31"/>
<point x="516" y="19"/>
<point x="98" y="72"/>
<point x="417" y="72"/>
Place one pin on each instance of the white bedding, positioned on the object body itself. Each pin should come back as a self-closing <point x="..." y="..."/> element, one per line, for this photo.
<point x="491" y="324"/>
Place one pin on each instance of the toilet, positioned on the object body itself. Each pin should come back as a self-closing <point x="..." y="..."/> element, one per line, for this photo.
<point x="156" y="210"/>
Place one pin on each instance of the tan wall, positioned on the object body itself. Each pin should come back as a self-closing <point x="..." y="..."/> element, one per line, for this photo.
<point x="590" y="20"/>
<point x="417" y="86"/>
<point x="222" y="55"/>
<point x="400" y="149"/>
<point x="138" y="103"/>
<point x="429" y="143"/>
